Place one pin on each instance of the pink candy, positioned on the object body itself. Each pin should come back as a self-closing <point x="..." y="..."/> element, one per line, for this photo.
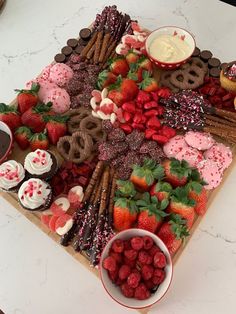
<point x="191" y="155"/>
<point x="221" y="154"/>
<point x="60" y="99"/>
<point x="174" y="146"/>
<point x="210" y="173"/>
<point x="199" y="140"/>
<point x="60" y="74"/>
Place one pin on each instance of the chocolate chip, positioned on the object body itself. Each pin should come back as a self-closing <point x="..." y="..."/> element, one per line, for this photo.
<point x="205" y="55"/>
<point x="213" y="63"/>
<point x="223" y="65"/>
<point x="60" y="58"/>
<point x="85" y="33"/>
<point x="72" y="42"/>
<point x="82" y="42"/>
<point x="196" y="52"/>
<point x="79" y="49"/>
<point x="67" y="50"/>
<point x="214" y="72"/>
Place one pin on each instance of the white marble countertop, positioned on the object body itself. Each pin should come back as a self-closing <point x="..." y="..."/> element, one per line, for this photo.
<point x="36" y="275"/>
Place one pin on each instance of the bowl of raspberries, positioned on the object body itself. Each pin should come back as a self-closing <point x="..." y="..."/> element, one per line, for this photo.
<point x="136" y="268"/>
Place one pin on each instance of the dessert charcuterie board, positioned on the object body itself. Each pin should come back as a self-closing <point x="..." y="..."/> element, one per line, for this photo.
<point x="165" y="130"/>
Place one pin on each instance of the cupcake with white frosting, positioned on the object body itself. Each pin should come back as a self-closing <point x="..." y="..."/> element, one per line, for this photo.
<point x="12" y="174"/>
<point x="40" y="164"/>
<point x="35" y="194"/>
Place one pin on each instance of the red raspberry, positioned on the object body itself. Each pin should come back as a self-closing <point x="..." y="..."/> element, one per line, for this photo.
<point x="118" y="246"/>
<point x="134" y="279"/>
<point x="117" y="257"/>
<point x="113" y="275"/>
<point x="119" y="282"/>
<point x="129" y="262"/>
<point x="131" y="254"/>
<point x="149" y="284"/>
<point x="124" y="272"/>
<point x="158" y="276"/>
<point x="137" y="243"/>
<point x="159" y="260"/>
<point x="144" y="257"/>
<point x="147" y="272"/>
<point x="127" y="245"/>
<point x="109" y="263"/>
<point x="141" y="292"/>
<point x="127" y="291"/>
<point x="147" y="242"/>
<point x="153" y="250"/>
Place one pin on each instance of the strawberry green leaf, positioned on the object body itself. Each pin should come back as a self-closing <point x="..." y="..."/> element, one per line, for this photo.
<point x="164" y="204"/>
<point x="159" y="172"/>
<point x="154" y="199"/>
<point x="126" y="188"/>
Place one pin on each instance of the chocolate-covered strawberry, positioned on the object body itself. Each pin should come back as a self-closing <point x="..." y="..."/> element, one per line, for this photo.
<point x="56" y="127"/>
<point x="151" y="212"/>
<point x="144" y="176"/>
<point x="181" y="204"/>
<point x="10" y="116"/>
<point x="161" y="190"/>
<point x="173" y="233"/>
<point x="22" y="137"/>
<point x="176" y="172"/>
<point x="27" y="98"/>
<point x="34" y="117"/>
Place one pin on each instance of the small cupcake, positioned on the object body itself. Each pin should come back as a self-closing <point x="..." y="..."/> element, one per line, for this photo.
<point x="41" y="164"/>
<point x="35" y="194"/>
<point x="12" y="175"/>
<point x="228" y="77"/>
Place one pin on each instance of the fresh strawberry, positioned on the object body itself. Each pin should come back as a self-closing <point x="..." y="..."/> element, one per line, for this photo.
<point x="9" y="115"/>
<point x="27" y="98"/>
<point x="124" y="213"/>
<point x="146" y="64"/>
<point x="161" y="190"/>
<point x="34" y="117"/>
<point x="151" y="212"/>
<point x="116" y="96"/>
<point x="143" y="97"/>
<point x="198" y="193"/>
<point x="173" y="233"/>
<point x="148" y="84"/>
<point x="144" y="176"/>
<point x="177" y="172"/>
<point x="56" y="127"/>
<point x="181" y="204"/>
<point x="22" y="137"/>
<point x="123" y="90"/>
<point x="131" y="57"/>
<point x="119" y="66"/>
<point x="136" y="74"/>
<point x="105" y="78"/>
<point x="39" y="141"/>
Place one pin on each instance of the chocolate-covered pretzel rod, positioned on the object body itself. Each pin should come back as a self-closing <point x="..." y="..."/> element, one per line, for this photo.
<point x="96" y="174"/>
<point x="221" y="120"/>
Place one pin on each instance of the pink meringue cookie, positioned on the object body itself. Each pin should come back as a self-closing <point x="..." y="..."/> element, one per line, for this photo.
<point x="210" y="173"/>
<point x="44" y="75"/>
<point x="60" y="74"/>
<point x="191" y="155"/>
<point x="174" y="146"/>
<point x="199" y="140"/>
<point x="221" y="154"/>
<point x="59" y="98"/>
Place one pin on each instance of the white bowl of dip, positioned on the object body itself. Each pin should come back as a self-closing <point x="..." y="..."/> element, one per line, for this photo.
<point x="170" y="46"/>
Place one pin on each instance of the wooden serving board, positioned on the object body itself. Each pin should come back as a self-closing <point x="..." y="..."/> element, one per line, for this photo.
<point x="34" y="217"/>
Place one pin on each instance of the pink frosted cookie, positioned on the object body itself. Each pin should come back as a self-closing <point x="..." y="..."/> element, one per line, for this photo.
<point x="44" y="75"/>
<point x="60" y="74"/>
<point x="45" y="87"/>
<point x="199" y="140"/>
<point x="221" y="154"/>
<point x="60" y="99"/>
<point x="174" y="146"/>
<point x="191" y="155"/>
<point x="210" y="173"/>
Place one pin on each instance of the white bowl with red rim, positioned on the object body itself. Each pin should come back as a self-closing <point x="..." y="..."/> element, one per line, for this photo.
<point x="174" y="31"/>
<point x="115" y="292"/>
<point x="5" y="128"/>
